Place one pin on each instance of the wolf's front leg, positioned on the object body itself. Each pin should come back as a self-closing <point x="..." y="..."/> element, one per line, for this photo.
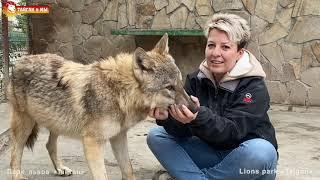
<point x="94" y="151"/>
<point x="57" y="163"/>
<point x="119" y="146"/>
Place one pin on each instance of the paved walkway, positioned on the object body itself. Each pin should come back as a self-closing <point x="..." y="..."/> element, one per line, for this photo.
<point x="298" y="134"/>
<point x="4" y="117"/>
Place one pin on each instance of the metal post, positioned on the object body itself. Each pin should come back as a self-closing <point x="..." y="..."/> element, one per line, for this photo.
<point x="5" y="46"/>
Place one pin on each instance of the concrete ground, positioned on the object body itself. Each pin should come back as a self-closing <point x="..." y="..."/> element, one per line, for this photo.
<point x="298" y="134"/>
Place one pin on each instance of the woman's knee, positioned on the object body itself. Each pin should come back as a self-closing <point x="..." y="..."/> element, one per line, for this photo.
<point x="155" y="134"/>
<point x="260" y="153"/>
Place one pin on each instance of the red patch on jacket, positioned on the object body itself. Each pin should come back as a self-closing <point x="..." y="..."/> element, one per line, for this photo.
<point x="247" y="98"/>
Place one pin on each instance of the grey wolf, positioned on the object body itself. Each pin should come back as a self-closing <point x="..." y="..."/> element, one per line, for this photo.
<point x="96" y="103"/>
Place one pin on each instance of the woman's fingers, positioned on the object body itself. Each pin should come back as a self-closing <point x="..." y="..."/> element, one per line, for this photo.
<point x="187" y="112"/>
<point x="179" y="113"/>
<point x="182" y="114"/>
<point x="159" y="113"/>
<point x="196" y="100"/>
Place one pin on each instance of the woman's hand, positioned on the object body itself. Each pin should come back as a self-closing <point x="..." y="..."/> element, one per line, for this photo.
<point x="183" y="114"/>
<point x="159" y="113"/>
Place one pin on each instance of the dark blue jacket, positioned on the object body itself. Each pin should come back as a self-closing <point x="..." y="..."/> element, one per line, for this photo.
<point x="229" y="114"/>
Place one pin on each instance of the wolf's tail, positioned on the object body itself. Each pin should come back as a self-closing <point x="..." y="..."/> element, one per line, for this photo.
<point x="32" y="137"/>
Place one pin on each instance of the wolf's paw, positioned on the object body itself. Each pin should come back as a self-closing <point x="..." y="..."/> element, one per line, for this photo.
<point x="20" y="178"/>
<point x="64" y="171"/>
<point x="130" y="178"/>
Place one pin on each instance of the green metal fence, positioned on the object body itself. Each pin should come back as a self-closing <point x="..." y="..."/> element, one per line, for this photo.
<point x="18" y="46"/>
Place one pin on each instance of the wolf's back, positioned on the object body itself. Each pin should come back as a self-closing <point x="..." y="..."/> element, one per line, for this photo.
<point x="35" y="78"/>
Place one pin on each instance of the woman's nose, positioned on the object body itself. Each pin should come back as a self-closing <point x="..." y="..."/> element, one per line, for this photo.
<point x="216" y="52"/>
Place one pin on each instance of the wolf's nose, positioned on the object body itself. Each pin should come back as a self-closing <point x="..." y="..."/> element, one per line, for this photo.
<point x="193" y="109"/>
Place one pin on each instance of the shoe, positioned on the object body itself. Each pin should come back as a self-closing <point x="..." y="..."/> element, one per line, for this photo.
<point x="162" y="175"/>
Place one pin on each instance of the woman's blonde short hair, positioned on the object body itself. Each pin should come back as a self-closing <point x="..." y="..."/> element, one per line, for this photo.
<point x="236" y="28"/>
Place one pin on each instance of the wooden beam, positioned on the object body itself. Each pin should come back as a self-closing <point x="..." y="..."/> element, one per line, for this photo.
<point x="158" y="32"/>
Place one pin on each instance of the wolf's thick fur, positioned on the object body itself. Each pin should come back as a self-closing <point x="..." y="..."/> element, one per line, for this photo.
<point x="95" y="102"/>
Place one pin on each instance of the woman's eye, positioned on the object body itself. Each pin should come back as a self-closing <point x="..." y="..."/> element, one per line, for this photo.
<point x="225" y="47"/>
<point x="210" y="45"/>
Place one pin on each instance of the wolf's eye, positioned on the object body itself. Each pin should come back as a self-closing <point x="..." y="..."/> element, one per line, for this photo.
<point x="170" y="88"/>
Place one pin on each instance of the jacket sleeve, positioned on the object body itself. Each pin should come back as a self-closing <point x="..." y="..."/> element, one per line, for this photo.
<point x="240" y="117"/>
<point x="173" y="126"/>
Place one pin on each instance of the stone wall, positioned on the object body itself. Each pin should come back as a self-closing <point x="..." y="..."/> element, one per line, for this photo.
<point x="285" y="35"/>
<point x="78" y="30"/>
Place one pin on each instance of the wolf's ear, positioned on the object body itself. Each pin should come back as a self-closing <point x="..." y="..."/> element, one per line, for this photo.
<point x="162" y="46"/>
<point x="142" y="63"/>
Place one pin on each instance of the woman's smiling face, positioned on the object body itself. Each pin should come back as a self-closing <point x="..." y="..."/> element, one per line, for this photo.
<point x="221" y="53"/>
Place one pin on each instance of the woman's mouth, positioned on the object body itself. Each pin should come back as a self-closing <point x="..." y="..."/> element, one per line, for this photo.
<point x="216" y="62"/>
